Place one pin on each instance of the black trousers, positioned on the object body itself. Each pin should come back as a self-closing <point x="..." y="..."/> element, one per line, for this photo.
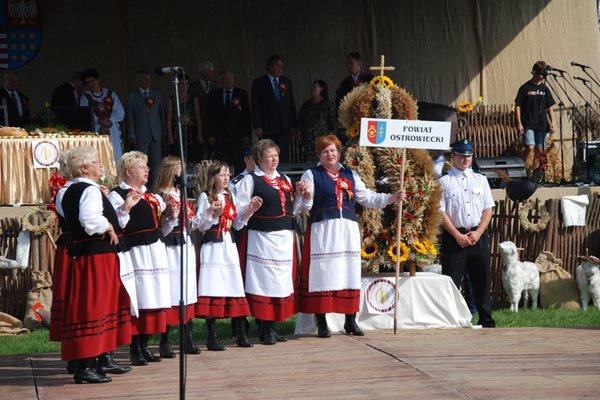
<point x="476" y="261"/>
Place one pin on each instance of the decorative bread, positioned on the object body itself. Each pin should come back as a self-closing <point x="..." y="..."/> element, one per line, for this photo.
<point x="12" y="131"/>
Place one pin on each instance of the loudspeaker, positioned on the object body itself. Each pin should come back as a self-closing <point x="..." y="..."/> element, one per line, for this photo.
<point x="293" y="170"/>
<point x="514" y="167"/>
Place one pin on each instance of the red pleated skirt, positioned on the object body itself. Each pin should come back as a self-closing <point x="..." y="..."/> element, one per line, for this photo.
<point x="221" y="307"/>
<point x="345" y="301"/>
<point x="96" y="317"/>
<point x="173" y="314"/>
<point x="264" y="307"/>
<point x="149" y="322"/>
<point x="60" y="285"/>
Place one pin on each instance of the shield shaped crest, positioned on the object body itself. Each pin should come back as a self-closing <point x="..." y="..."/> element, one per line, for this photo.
<point x="20" y="32"/>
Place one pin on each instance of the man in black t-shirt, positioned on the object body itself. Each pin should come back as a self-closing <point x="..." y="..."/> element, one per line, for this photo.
<point x="533" y="112"/>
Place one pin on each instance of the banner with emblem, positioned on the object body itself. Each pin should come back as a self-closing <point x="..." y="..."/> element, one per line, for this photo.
<point x="20" y="32"/>
<point x="408" y="134"/>
<point x="379" y="296"/>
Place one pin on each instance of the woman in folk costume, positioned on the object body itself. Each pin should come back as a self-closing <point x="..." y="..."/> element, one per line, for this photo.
<point x="265" y="205"/>
<point x="167" y="187"/>
<point x="220" y="285"/>
<point x="330" y="271"/>
<point x="95" y="318"/>
<point x="148" y="277"/>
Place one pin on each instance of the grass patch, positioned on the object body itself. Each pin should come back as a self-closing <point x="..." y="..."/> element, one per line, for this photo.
<point x="37" y="341"/>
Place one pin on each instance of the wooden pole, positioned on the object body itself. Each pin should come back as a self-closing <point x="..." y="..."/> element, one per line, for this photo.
<point x="398" y="241"/>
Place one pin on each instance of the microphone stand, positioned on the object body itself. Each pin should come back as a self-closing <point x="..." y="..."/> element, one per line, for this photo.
<point x="584" y="69"/>
<point x="183" y="249"/>
<point x="572" y="110"/>
<point x="561" y="107"/>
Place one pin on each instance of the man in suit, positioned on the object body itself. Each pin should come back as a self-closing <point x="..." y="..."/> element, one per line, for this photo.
<point x="17" y="104"/>
<point x="200" y="89"/>
<point x="69" y="92"/>
<point x="273" y="108"/>
<point x="146" y="120"/>
<point x="357" y="77"/>
<point x="228" y="120"/>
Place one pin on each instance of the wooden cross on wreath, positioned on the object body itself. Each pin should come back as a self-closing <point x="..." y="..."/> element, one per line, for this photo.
<point x="381" y="67"/>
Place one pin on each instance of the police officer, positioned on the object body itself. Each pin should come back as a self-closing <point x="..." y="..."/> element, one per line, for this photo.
<point x="467" y="207"/>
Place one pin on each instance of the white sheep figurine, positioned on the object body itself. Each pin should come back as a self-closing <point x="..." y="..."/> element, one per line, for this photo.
<point x="518" y="277"/>
<point x="587" y="275"/>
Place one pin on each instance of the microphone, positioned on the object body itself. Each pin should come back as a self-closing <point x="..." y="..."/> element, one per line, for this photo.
<point x="581" y="79"/>
<point x="167" y="70"/>
<point x="579" y="65"/>
<point x="560" y="71"/>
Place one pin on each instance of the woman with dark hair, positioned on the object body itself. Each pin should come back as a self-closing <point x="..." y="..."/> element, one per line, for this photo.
<point x="330" y="271"/>
<point x="317" y="117"/>
<point x="265" y="206"/>
<point x="95" y="319"/>
<point x="191" y="126"/>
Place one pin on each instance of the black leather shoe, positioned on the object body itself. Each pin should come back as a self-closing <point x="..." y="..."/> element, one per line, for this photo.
<point x="148" y="354"/>
<point x="72" y="366"/>
<point x="322" y="328"/>
<point x="351" y="327"/>
<point x="90" y="375"/>
<point x="268" y="333"/>
<point x="107" y="365"/>
<point x="165" y="350"/>
<point x="213" y="344"/>
<point x="137" y="360"/>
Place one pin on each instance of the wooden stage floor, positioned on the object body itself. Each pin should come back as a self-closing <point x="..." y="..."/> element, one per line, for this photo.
<point x="504" y="363"/>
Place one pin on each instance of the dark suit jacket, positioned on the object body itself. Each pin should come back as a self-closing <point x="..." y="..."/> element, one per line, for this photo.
<point x="229" y="125"/>
<point x="347" y="86"/>
<point x="14" y="119"/>
<point x="197" y="90"/>
<point x="275" y="117"/>
<point x="65" y="95"/>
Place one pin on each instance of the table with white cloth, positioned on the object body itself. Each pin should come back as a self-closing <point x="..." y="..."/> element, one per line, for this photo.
<point x="428" y="300"/>
<point x="21" y="182"/>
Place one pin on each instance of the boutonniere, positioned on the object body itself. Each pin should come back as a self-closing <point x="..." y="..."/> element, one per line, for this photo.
<point x="343" y="185"/>
<point x="283" y="88"/>
<point x="153" y="201"/>
<point x="237" y="103"/>
<point x="285" y="185"/>
<point x="149" y="103"/>
<point x="107" y="101"/>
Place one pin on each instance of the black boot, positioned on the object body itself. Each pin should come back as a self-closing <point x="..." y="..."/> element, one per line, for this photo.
<point x="242" y="338"/>
<point x="135" y="355"/>
<point x="87" y="373"/>
<point x="190" y="346"/>
<point x="322" y="328"/>
<point x="164" y="347"/>
<point x="261" y="335"/>
<point x="351" y="327"/>
<point x="145" y="350"/>
<point x="107" y="365"/>
<point x="267" y="332"/>
<point x="212" y="342"/>
<point x="72" y="366"/>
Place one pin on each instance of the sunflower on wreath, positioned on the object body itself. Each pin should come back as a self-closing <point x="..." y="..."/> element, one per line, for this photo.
<point x="466" y="106"/>
<point x="421" y="217"/>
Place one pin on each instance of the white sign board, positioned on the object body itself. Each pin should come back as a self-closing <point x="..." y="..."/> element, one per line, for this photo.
<point x="45" y="153"/>
<point x="409" y="134"/>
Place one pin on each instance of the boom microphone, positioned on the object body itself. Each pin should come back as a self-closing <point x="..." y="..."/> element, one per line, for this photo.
<point x="581" y="79"/>
<point x="166" y="70"/>
<point x="579" y="65"/>
<point x="560" y="71"/>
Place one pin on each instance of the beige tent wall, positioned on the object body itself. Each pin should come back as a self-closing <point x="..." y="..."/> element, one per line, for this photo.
<point x="444" y="50"/>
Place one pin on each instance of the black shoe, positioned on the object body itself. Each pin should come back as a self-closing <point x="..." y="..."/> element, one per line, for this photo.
<point x="212" y="342"/>
<point x="241" y="337"/>
<point x="148" y="354"/>
<point x="268" y="333"/>
<point x="72" y="366"/>
<point x="107" y="365"/>
<point x="190" y="346"/>
<point x="351" y="327"/>
<point x="90" y="375"/>
<point x="322" y="328"/>
<point x="135" y="356"/>
<point x="165" y="350"/>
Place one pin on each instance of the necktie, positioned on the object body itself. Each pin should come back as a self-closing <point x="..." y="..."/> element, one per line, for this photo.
<point x="207" y="86"/>
<point x="145" y="94"/>
<point x="276" y="88"/>
<point x="13" y="96"/>
<point x="227" y="98"/>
